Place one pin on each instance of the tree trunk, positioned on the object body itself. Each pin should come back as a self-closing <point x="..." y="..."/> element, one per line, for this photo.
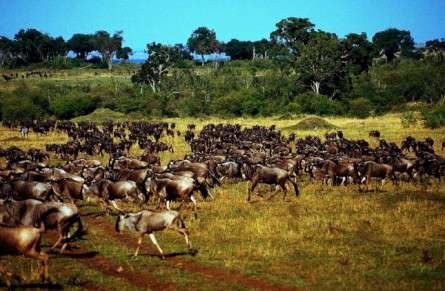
<point x="316" y="87"/>
<point x="110" y="63"/>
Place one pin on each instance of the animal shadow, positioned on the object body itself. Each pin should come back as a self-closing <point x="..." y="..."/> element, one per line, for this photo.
<point x="84" y="255"/>
<point x="29" y="286"/>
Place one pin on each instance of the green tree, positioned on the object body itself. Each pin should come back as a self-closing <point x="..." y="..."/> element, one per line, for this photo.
<point x="319" y="61"/>
<point x="160" y="60"/>
<point x="108" y="45"/>
<point x="124" y="53"/>
<point x="293" y="32"/>
<point x="203" y="42"/>
<point x="6" y="50"/>
<point x="436" y="48"/>
<point x="239" y="50"/>
<point x="357" y="53"/>
<point x="81" y="45"/>
<point x="392" y="41"/>
<point x="32" y="45"/>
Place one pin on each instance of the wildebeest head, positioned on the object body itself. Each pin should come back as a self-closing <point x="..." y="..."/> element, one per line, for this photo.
<point x="126" y="221"/>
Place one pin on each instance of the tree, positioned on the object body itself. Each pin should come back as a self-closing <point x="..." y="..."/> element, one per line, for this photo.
<point x="6" y="50"/>
<point x="81" y="45"/>
<point x="392" y="41"/>
<point x="293" y="32"/>
<point x="32" y="45"/>
<point x="60" y="47"/>
<point x="319" y="61"/>
<point x="107" y="45"/>
<point x="357" y="53"/>
<point x="262" y="48"/>
<point x="436" y="48"/>
<point x="203" y="42"/>
<point x="160" y="60"/>
<point x="182" y="52"/>
<point x="124" y="53"/>
<point x="239" y="50"/>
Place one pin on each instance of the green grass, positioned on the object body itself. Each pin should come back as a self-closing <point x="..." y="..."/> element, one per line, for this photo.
<point x="328" y="238"/>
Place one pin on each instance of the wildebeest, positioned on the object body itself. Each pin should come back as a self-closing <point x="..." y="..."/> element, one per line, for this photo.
<point x="148" y="222"/>
<point x="374" y="133"/>
<point x="22" y="190"/>
<point x="272" y="176"/>
<point x="170" y="187"/>
<point x="54" y="215"/>
<point x="370" y="169"/>
<point x="108" y="191"/>
<point x="23" y="240"/>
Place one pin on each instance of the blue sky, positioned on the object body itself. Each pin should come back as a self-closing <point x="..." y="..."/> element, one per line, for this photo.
<point x="173" y="21"/>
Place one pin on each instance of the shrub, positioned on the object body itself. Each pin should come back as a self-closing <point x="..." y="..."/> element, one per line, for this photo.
<point x="408" y="119"/>
<point x="435" y="118"/>
<point x="72" y="105"/>
<point x="318" y="104"/>
<point x="20" y="108"/>
<point x="360" y="108"/>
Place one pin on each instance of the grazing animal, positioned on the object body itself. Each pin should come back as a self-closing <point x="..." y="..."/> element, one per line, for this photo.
<point x="109" y="191"/>
<point x="54" y="215"/>
<point x="23" y="240"/>
<point x="148" y="222"/>
<point x="374" y="133"/>
<point x="267" y="175"/>
<point x="171" y="187"/>
<point x="24" y="131"/>
<point x="368" y="170"/>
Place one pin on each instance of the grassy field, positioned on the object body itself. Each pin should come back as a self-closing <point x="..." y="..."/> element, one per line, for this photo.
<point x="327" y="238"/>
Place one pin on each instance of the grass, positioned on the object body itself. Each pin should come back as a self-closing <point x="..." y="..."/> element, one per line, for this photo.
<point x="328" y="238"/>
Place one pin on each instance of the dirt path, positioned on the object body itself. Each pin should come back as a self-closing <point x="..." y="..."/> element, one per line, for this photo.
<point x="137" y="279"/>
<point x="95" y="261"/>
<point x="208" y="272"/>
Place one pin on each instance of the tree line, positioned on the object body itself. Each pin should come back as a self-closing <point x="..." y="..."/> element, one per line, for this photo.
<point x="298" y="69"/>
<point x="31" y="46"/>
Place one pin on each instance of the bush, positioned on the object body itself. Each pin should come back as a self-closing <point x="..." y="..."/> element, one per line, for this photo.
<point x="72" y="105"/>
<point x="435" y="118"/>
<point x="20" y="108"/>
<point x="24" y="103"/>
<point x="318" y="104"/>
<point x="408" y="119"/>
<point x="360" y="108"/>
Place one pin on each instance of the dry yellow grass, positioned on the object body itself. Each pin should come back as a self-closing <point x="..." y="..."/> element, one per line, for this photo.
<point x="329" y="237"/>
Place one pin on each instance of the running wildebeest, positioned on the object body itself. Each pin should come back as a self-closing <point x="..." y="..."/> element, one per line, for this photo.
<point x="148" y="222"/>
<point x="23" y="240"/>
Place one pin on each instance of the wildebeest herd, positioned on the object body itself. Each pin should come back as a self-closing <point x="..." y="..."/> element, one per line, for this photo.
<point x="37" y="194"/>
<point x="26" y="75"/>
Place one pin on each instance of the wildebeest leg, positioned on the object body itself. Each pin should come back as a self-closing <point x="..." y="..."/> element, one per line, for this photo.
<point x="43" y="258"/>
<point x="294" y="184"/>
<point x="383" y="183"/>
<point x="7" y="275"/>
<point x="60" y="239"/>
<point x="167" y="204"/>
<point x="139" y="245"/>
<point x="153" y="240"/>
<point x="283" y="186"/>
<point x="192" y="198"/>
<point x="182" y="230"/>
<point x="251" y="188"/>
